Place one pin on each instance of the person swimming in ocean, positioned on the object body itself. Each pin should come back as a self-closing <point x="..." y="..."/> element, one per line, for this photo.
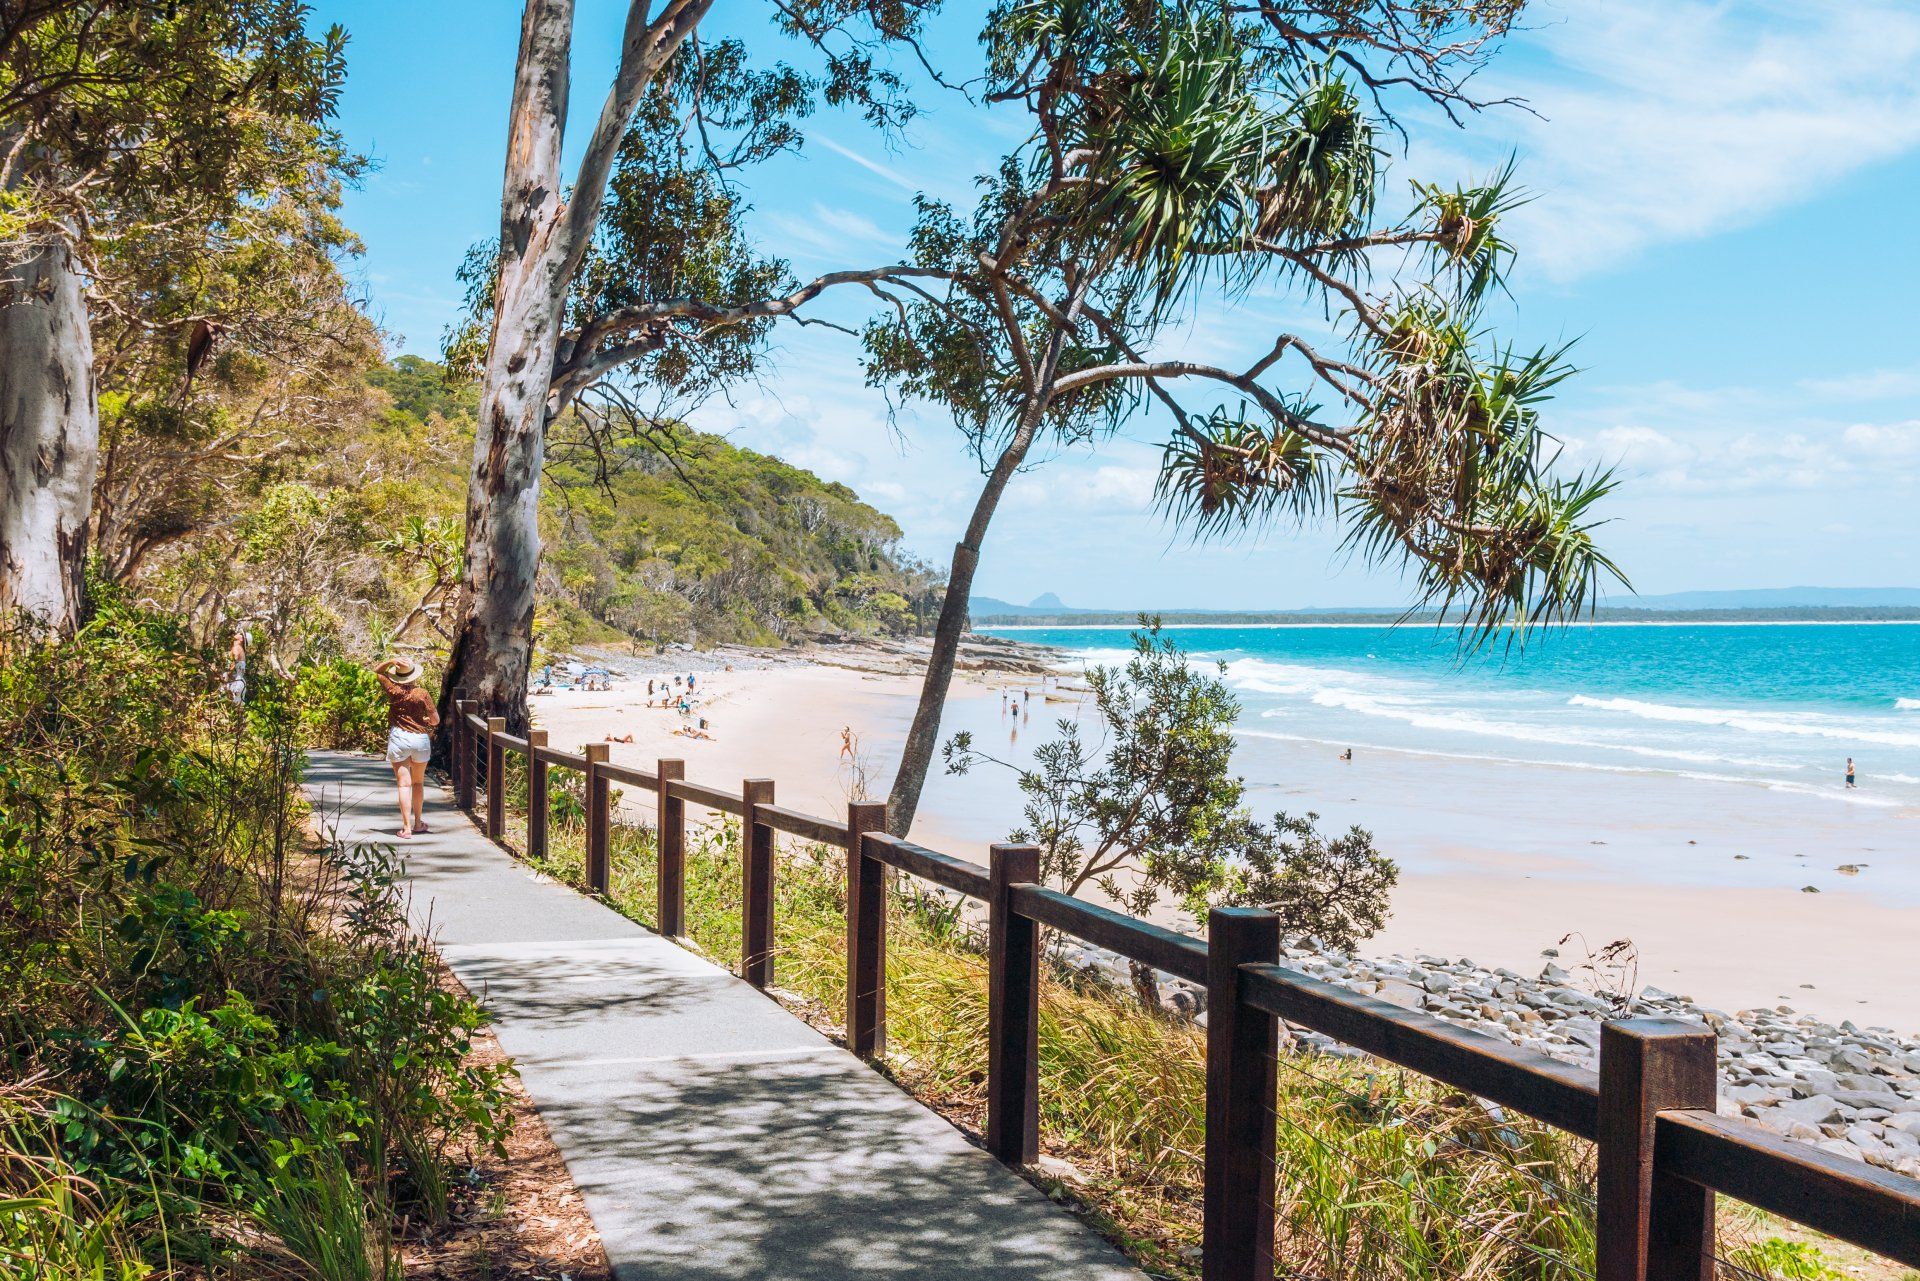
<point x="1347" y="755"/>
<point x="1850" y="782"/>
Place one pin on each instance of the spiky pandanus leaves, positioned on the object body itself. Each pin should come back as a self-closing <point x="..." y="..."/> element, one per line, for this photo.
<point x="1175" y="139"/>
<point x="1453" y="478"/>
<point x="1228" y="471"/>
<point x="1190" y="155"/>
<point x="1448" y="474"/>
<point x="1323" y="166"/>
<point x="1468" y="246"/>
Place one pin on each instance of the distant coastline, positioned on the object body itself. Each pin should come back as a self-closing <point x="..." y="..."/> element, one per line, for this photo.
<point x="1616" y="617"/>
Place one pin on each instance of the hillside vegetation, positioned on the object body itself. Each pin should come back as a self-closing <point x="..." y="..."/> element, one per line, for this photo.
<point x="659" y="535"/>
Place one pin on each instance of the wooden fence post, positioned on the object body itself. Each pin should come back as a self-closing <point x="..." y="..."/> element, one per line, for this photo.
<point x="536" y="795"/>
<point x="1242" y="1044"/>
<point x="756" y="848"/>
<point x="1650" y="1226"/>
<point x="462" y="754"/>
<point x="456" y="741"/>
<point x="866" y="933"/>
<point x="1013" y="1010"/>
<point x="496" y="778"/>
<point x="670" y="846"/>
<point x="599" y="869"/>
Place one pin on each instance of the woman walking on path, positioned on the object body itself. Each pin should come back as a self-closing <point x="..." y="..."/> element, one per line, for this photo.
<point x="411" y="720"/>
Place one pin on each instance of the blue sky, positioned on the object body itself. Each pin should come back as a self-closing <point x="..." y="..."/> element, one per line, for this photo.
<point x="1723" y="217"/>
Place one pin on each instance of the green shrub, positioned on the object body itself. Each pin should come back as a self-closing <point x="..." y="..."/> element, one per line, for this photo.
<point x="232" y="1025"/>
<point x="1776" y="1260"/>
<point x="340" y="706"/>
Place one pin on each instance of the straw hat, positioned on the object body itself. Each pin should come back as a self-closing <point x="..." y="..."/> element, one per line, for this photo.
<point x="404" y="671"/>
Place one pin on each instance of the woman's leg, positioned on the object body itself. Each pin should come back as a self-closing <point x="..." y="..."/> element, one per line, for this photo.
<point x="417" y="770"/>
<point x="404" y="785"/>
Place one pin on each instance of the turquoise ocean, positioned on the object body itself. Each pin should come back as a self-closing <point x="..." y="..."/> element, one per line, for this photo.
<point x="1777" y="705"/>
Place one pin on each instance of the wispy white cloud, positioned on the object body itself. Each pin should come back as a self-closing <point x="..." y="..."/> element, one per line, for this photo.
<point x="827" y="231"/>
<point x="1666" y="438"/>
<point x="872" y="166"/>
<point x="1873" y="384"/>
<point x="1663" y="121"/>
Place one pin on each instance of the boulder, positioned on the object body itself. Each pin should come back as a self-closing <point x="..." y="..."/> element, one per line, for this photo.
<point x="1817" y="1110"/>
<point x="1401" y="993"/>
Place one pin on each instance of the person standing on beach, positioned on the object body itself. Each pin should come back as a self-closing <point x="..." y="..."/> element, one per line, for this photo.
<point x="1850" y="771"/>
<point x="411" y="719"/>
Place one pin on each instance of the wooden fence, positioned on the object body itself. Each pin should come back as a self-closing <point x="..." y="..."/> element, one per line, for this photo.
<point x="1663" y="1149"/>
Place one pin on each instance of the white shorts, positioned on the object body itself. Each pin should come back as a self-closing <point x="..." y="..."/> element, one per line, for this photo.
<point x="407" y="745"/>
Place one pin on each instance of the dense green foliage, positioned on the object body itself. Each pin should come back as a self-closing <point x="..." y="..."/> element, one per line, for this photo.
<point x="234" y="1048"/>
<point x="701" y="540"/>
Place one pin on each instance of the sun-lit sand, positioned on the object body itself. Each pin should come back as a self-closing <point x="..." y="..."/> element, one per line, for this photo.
<point x="1498" y="862"/>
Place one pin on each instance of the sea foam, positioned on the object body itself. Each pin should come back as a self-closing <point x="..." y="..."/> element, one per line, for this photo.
<point x="1768" y="723"/>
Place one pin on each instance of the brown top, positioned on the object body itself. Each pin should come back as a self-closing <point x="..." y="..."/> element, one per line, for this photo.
<point x="408" y="706"/>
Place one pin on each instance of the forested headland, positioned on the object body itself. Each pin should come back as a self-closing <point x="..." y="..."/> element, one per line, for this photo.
<point x="345" y="538"/>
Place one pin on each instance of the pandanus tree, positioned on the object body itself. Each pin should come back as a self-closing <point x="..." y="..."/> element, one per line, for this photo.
<point x="132" y="132"/>
<point x="1180" y="150"/>
<point x="616" y="278"/>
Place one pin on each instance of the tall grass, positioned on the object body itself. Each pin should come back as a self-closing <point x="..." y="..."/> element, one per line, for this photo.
<point x="56" y="1225"/>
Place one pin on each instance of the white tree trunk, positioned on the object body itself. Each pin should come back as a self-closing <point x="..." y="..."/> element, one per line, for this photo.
<point x="493" y="643"/>
<point x="542" y="242"/>
<point x="49" y="433"/>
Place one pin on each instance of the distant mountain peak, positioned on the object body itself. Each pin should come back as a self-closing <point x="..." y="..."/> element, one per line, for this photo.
<point x="1046" y="600"/>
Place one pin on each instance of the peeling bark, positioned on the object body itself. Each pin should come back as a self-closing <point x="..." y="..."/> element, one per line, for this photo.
<point x="49" y="433"/>
<point x="543" y="239"/>
<point x="493" y="638"/>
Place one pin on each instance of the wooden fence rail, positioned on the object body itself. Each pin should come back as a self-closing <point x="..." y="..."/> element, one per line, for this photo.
<point x="1663" y="1150"/>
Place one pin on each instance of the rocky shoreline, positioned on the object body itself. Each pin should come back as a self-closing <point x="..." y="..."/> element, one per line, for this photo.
<point x="1845" y="1089"/>
<point x="876" y="655"/>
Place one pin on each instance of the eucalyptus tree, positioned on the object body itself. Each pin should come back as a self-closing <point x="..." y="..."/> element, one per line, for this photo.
<point x="564" y="297"/>
<point x="1181" y="148"/>
<point x="126" y="126"/>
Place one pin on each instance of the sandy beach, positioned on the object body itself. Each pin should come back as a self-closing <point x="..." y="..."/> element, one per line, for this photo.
<point x="1710" y="880"/>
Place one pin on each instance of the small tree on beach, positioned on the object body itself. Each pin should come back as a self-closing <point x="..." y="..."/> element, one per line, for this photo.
<point x="1154" y="811"/>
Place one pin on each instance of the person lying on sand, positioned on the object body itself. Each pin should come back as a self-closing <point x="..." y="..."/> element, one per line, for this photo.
<point x="694" y="733"/>
<point x="611" y="738"/>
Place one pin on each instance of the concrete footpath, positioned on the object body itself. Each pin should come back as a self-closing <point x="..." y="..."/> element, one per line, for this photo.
<point x="712" y="1134"/>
